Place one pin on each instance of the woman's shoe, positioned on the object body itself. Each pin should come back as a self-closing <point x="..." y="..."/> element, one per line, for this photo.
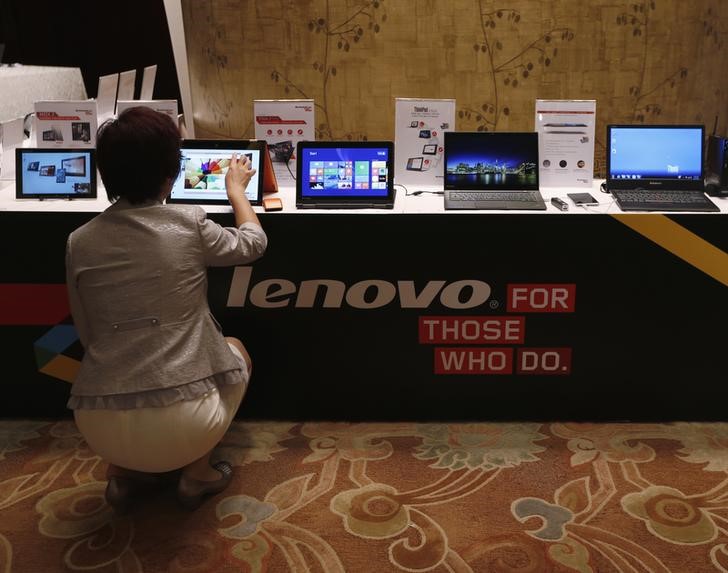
<point x="192" y="492"/>
<point x="119" y="494"/>
<point x="124" y="489"/>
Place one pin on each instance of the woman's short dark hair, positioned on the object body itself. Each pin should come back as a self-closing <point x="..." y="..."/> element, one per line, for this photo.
<point x="137" y="154"/>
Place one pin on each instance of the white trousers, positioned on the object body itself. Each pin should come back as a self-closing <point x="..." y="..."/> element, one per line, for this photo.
<point x="167" y="438"/>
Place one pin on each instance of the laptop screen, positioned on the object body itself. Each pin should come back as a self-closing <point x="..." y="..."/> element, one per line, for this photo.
<point x="655" y="153"/>
<point x="204" y="166"/>
<point x="345" y="170"/>
<point x="491" y="161"/>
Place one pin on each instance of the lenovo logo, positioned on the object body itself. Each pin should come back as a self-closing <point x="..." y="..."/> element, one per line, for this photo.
<point x="365" y="294"/>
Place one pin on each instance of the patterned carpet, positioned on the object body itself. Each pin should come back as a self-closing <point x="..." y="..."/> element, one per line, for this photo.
<point x="329" y="497"/>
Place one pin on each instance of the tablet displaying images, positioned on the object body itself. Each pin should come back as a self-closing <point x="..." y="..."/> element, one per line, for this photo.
<point x="429" y="149"/>
<point x="55" y="173"/>
<point x="205" y="163"/>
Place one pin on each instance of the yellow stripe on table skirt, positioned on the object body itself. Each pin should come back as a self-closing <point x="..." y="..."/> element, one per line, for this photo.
<point x="680" y="242"/>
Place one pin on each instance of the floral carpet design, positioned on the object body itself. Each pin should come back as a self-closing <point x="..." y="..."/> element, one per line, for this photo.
<point x="385" y="497"/>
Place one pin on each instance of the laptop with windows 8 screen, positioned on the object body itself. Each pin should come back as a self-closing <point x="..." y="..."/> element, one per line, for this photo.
<point x="345" y="175"/>
<point x="657" y="168"/>
<point x="492" y="170"/>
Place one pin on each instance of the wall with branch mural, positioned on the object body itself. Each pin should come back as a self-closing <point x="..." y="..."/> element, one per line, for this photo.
<point x="649" y="61"/>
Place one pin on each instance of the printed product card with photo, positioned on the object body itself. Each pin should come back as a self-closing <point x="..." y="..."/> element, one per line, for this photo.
<point x="282" y="124"/>
<point x="566" y="142"/>
<point x="165" y="106"/>
<point x="65" y="123"/>
<point x="419" y="140"/>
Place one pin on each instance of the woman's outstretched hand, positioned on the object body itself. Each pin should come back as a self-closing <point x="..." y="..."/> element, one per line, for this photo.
<point x="238" y="175"/>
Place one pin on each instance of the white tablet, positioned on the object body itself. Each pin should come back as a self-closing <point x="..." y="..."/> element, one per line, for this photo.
<point x="204" y="164"/>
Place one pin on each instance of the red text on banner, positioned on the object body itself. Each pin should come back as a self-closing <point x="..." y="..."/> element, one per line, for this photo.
<point x="473" y="360"/>
<point x="543" y="361"/>
<point x="541" y="297"/>
<point x="472" y="329"/>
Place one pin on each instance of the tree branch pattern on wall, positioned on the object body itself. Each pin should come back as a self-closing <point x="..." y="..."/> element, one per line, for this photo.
<point x="643" y="61"/>
<point x="514" y="69"/>
<point x="349" y="32"/>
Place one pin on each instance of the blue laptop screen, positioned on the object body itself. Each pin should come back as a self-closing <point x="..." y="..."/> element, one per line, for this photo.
<point x="491" y="160"/>
<point x="644" y="152"/>
<point x="344" y="171"/>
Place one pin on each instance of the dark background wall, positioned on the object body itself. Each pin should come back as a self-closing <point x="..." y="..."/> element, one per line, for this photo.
<point x="98" y="37"/>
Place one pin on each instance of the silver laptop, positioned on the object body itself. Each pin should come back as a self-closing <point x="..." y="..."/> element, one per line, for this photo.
<point x="492" y="170"/>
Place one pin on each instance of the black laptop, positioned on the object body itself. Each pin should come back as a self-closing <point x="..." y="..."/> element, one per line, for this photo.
<point x="345" y="175"/>
<point x="492" y="170"/>
<point x="657" y="168"/>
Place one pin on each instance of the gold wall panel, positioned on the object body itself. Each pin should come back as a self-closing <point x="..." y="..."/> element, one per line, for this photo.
<point x="647" y="62"/>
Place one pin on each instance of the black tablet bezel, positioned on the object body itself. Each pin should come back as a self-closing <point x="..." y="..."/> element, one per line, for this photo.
<point x="387" y="199"/>
<point x="232" y="146"/>
<point x="20" y="152"/>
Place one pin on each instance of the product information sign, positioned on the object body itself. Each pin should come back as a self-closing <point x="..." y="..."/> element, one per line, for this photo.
<point x="65" y="123"/>
<point x="419" y="140"/>
<point x="282" y="123"/>
<point x="566" y="142"/>
<point x="165" y="106"/>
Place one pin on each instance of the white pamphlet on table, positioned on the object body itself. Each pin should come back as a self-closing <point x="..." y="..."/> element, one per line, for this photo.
<point x="11" y="136"/>
<point x="282" y="123"/>
<point x="126" y="85"/>
<point x="65" y="123"/>
<point x="165" y="106"/>
<point x="106" y="96"/>
<point x="419" y="127"/>
<point x="148" y="77"/>
<point x="566" y="142"/>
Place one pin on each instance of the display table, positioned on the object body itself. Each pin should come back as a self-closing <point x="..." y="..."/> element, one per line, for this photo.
<point x="20" y="86"/>
<point x="415" y="313"/>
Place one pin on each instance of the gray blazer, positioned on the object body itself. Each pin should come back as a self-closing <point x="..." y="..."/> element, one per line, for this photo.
<point x="137" y="285"/>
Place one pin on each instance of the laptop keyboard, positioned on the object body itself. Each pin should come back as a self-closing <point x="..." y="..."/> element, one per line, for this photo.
<point x="658" y="196"/>
<point x="525" y="196"/>
<point x="663" y="200"/>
